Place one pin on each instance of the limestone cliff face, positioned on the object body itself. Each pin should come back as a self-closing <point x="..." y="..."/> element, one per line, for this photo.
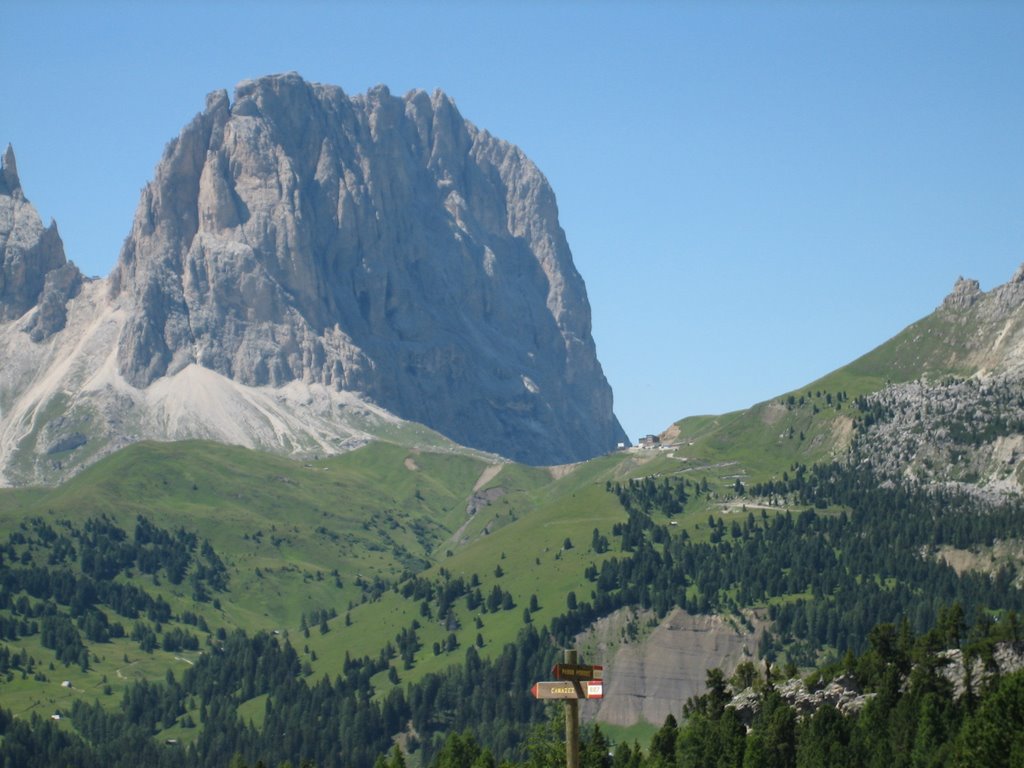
<point x="33" y="268"/>
<point x="373" y="244"/>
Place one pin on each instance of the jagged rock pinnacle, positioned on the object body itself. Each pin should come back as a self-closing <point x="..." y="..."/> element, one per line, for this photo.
<point x="9" y="178"/>
<point x="965" y="293"/>
<point x="33" y="268"/>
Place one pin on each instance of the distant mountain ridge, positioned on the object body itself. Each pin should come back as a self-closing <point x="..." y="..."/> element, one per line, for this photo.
<point x="954" y="410"/>
<point x="972" y="332"/>
<point x="309" y="246"/>
<point x="941" y="402"/>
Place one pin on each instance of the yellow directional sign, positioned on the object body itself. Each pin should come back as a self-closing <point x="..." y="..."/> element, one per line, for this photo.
<point x="568" y="689"/>
<point x="555" y="690"/>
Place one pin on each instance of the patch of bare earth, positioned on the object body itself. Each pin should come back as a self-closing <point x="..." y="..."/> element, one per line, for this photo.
<point x="650" y="672"/>
<point x="487" y="475"/>
<point x="842" y="431"/>
<point x="772" y="412"/>
<point x="985" y="559"/>
<point x="561" y="470"/>
<point x="478" y="500"/>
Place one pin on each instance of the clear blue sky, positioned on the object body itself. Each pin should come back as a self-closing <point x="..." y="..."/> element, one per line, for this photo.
<point x="755" y="193"/>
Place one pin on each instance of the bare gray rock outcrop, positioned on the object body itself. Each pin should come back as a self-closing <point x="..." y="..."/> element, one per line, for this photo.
<point x="1005" y="659"/>
<point x="652" y="667"/>
<point x="965" y="293"/>
<point x="846" y="695"/>
<point x="964" y="430"/>
<point x="33" y="268"/>
<point x="373" y="244"/>
<point x="843" y="693"/>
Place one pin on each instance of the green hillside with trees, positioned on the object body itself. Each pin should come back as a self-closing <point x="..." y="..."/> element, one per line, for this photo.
<point x="198" y="605"/>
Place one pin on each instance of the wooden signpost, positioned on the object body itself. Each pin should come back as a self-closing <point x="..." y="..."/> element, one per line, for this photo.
<point x="573" y="682"/>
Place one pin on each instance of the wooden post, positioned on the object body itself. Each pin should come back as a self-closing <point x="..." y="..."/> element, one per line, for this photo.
<point x="572" y="722"/>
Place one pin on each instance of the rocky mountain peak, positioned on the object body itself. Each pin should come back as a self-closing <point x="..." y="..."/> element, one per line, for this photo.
<point x="9" y="181"/>
<point x="374" y="244"/>
<point x="969" y="304"/>
<point x="965" y="293"/>
<point x="33" y="269"/>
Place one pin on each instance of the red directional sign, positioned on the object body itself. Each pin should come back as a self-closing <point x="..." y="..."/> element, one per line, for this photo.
<point x="580" y="672"/>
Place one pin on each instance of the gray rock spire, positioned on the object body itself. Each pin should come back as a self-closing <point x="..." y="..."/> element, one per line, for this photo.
<point x="9" y="181"/>
<point x="32" y="262"/>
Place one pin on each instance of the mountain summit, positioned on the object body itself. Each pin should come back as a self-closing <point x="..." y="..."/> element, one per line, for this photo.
<point x="33" y="268"/>
<point x="372" y="245"/>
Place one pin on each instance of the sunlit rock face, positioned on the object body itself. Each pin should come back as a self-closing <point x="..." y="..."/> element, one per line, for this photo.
<point x="371" y="244"/>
